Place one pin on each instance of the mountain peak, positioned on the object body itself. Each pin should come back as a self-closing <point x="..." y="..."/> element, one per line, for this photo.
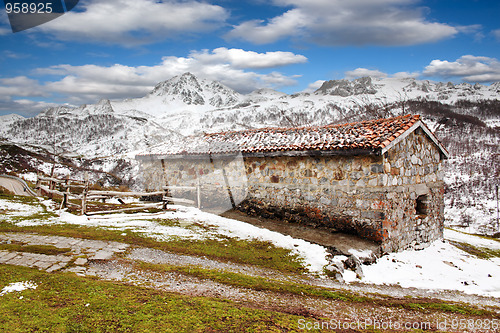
<point x="190" y="90"/>
<point x="346" y="88"/>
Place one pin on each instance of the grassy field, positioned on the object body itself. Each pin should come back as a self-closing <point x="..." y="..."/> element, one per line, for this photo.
<point x="64" y="302"/>
<point x="67" y="303"/>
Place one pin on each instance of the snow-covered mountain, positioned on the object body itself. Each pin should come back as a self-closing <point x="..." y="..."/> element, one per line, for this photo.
<point x="465" y="117"/>
<point x="185" y="94"/>
<point x="187" y="105"/>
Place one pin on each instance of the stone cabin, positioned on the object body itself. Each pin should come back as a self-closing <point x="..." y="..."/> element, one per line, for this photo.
<point x="378" y="179"/>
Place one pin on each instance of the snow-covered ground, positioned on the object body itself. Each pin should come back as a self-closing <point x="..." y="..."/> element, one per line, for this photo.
<point x="18" y="286"/>
<point x="213" y="226"/>
<point x="10" y="208"/>
<point x="440" y="266"/>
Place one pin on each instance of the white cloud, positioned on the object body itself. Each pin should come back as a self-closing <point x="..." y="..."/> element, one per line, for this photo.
<point x="289" y="24"/>
<point x="404" y="75"/>
<point x="248" y="59"/>
<point x="90" y="83"/>
<point x="132" y="22"/>
<point x="24" y="107"/>
<point x="496" y="33"/>
<point x="468" y="68"/>
<point x="312" y="87"/>
<point x="361" y="72"/>
<point x="20" y="86"/>
<point x="340" y="22"/>
<point x="14" y="55"/>
<point x="375" y="73"/>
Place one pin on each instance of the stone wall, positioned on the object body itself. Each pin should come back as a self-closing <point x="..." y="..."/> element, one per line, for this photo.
<point x="395" y="199"/>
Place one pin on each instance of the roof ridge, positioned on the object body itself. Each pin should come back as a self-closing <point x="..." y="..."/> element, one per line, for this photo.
<point x="283" y="129"/>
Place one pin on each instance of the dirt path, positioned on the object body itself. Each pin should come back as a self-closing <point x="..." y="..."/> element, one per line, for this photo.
<point x="15" y="186"/>
<point x="357" y="315"/>
<point x="338" y="243"/>
<point x="120" y="262"/>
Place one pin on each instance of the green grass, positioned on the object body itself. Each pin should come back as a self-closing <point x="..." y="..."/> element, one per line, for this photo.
<point x="31" y="201"/>
<point x="225" y="248"/>
<point x="6" y="195"/>
<point x="464" y="309"/>
<point x="260" y="283"/>
<point x="480" y="252"/>
<point x="67" y="303"/>
<point x="251" y="252"/>
<point x="477" y="235"/>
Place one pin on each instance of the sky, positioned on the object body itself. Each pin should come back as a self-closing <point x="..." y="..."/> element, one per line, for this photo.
<point x="118" y="49"/>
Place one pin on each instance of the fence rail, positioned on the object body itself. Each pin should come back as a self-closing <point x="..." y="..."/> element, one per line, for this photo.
<point x="63" y="188"/>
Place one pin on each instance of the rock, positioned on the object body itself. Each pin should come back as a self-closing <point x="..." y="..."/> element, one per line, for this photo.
<point x="354" y="264"/>
<point x="80" y="261"/>
<point x="335" y="267"/>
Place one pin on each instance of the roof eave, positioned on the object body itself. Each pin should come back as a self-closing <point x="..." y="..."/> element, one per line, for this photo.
<point x="418" y="124"/>
<point x="332" y="152"/>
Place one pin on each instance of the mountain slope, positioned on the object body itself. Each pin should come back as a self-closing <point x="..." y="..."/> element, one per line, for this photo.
<point x="465" y="117"/>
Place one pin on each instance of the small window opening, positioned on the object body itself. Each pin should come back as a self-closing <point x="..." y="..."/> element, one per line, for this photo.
<point x="421" y="205"/>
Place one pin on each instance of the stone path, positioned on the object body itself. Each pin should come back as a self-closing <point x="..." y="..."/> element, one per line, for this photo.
<point x="99" y="258"/>
<point x="74" y="260"/>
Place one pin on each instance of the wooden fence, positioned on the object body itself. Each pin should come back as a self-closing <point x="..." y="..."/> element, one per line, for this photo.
<point x="68" y="188"/>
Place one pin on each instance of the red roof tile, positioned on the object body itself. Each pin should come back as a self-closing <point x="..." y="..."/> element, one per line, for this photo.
<point x="366" y="135"/>
<point x="360" y="135"/>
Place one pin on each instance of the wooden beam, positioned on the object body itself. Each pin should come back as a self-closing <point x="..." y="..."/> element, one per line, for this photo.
<point x="125" y="209"/>
<point x="124" y="194"/>
<point x="173" y="187"/>
<point x="180" y="200"/>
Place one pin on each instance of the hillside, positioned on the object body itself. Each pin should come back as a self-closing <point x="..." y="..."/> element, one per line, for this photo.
<point x="107" y="135"/>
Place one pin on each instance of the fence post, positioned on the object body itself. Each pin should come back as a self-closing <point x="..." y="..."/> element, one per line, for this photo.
<point x="84" y="194"/>
<point x="498" y="211"/>
<point x="164" y="198"/>
<point x="64" y="202"/>
<point x="67" y="193"/>
<point x="38" y="183"/>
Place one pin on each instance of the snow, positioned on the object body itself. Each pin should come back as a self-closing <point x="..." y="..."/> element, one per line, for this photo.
<point x="18" y="209"/>
<point x="361" y="254"/>
<point x="29" y="176"/>
<point x="441" y="266"/>
<point x="18" y="286"/>
<point x="313" y="255"/>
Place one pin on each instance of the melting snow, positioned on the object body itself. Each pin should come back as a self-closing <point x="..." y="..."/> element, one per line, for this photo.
<point x="18" y="286"/>
<point x="314" y="255"/>
<point x="439" y="266"/>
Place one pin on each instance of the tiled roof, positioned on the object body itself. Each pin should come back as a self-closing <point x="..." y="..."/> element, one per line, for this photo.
<point x="366" y="135"/>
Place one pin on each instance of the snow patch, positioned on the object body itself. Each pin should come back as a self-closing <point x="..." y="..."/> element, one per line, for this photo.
<point x="441" y="266"/>
<point x="18" y="286"/>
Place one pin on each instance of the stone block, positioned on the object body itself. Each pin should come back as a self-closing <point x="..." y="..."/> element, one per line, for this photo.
<point x="372" y="215"/>
<point x="377" y="168"/>
<point x="80" y="261"/>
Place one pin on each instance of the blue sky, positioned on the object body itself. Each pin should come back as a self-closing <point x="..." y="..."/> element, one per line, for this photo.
<point x="120" y="49"/>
